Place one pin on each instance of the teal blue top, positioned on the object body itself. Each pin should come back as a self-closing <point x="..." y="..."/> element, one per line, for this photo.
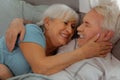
<point x="15" y="60"/>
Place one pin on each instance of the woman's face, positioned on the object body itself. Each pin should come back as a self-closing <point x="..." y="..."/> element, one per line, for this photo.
<point x="59" y="32"/>
<point x="90" y="27"/>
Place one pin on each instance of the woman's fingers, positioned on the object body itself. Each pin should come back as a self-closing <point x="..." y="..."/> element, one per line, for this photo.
<point x="102" y="55"/>
<point x="104" y="48"/>
<point x="106" y="35"/>
<point x="92" y="48"/>
<point x="104" y="52"/>
<point x="109" y="36"/>
<point x="102" y="35"/>
<point x="104" y="44"/>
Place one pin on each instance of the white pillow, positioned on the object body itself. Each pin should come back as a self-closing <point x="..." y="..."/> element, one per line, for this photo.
<point x="116" y="50"/>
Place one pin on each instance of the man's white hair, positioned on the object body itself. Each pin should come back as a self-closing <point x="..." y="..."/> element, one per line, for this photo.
<point x="60" y="11"/>
<point x="110" y="11"/>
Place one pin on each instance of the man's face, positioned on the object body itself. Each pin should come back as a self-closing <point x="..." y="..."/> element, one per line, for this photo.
<point x="90" y="27"/>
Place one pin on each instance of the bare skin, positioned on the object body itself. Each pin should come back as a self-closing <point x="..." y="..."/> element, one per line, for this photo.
<point x="4" y="72"/>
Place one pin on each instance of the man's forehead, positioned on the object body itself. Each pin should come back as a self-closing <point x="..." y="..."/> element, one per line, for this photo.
<point x="94" y="16"/>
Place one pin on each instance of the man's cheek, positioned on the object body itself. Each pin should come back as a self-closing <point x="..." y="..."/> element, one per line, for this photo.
<point x="89" y="37"/>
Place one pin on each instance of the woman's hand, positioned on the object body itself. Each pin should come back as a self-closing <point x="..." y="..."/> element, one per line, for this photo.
<point x="105" y="35"/>
<point x="16" y="28"/>
<point x="99" y="45"/>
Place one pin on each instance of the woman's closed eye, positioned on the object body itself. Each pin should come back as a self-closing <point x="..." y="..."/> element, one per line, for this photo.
<point x="66" y="23"/>
<point x="73" y="26"/>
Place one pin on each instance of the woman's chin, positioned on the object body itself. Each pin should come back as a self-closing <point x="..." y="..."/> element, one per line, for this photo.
<point x="64" y="43"/>
<point x="60" y="44"/>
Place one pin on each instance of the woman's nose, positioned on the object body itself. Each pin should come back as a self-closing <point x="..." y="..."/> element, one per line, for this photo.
<point x="69" y="29"/>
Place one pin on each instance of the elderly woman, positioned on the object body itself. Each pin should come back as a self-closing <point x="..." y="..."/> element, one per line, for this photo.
<point x="36" y="52"/>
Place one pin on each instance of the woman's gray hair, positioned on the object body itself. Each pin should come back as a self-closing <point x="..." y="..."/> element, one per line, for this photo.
<point x="110" y="11"/>
<point x="59" y="11"/>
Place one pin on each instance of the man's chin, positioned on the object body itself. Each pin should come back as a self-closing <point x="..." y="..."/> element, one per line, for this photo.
<point x="80" y="44"/>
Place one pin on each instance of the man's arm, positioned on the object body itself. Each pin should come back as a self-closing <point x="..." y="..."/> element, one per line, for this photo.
<point x="16" y="28"/>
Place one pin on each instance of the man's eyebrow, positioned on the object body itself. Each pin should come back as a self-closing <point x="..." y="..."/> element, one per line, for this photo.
<point x="84" y="21"/>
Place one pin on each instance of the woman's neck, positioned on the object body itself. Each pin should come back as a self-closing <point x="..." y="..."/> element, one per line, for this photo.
<point x="50" y="48"/>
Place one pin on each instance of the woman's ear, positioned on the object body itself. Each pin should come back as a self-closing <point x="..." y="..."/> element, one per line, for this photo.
<point x="46" y="22"/>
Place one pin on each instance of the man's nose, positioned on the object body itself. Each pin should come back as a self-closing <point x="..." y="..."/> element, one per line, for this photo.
<point x="80" y="28"/>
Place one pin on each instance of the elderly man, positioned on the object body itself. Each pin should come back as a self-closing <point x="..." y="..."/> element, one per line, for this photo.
<point x="103" y="16"/>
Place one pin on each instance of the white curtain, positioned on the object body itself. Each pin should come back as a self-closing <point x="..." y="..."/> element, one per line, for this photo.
<point x="86" y="5"/>
<point x="93" y="3"/>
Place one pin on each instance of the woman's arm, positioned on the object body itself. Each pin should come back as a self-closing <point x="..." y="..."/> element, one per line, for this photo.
<point x="42" y="64"/>
<point x="4" y="72"/>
